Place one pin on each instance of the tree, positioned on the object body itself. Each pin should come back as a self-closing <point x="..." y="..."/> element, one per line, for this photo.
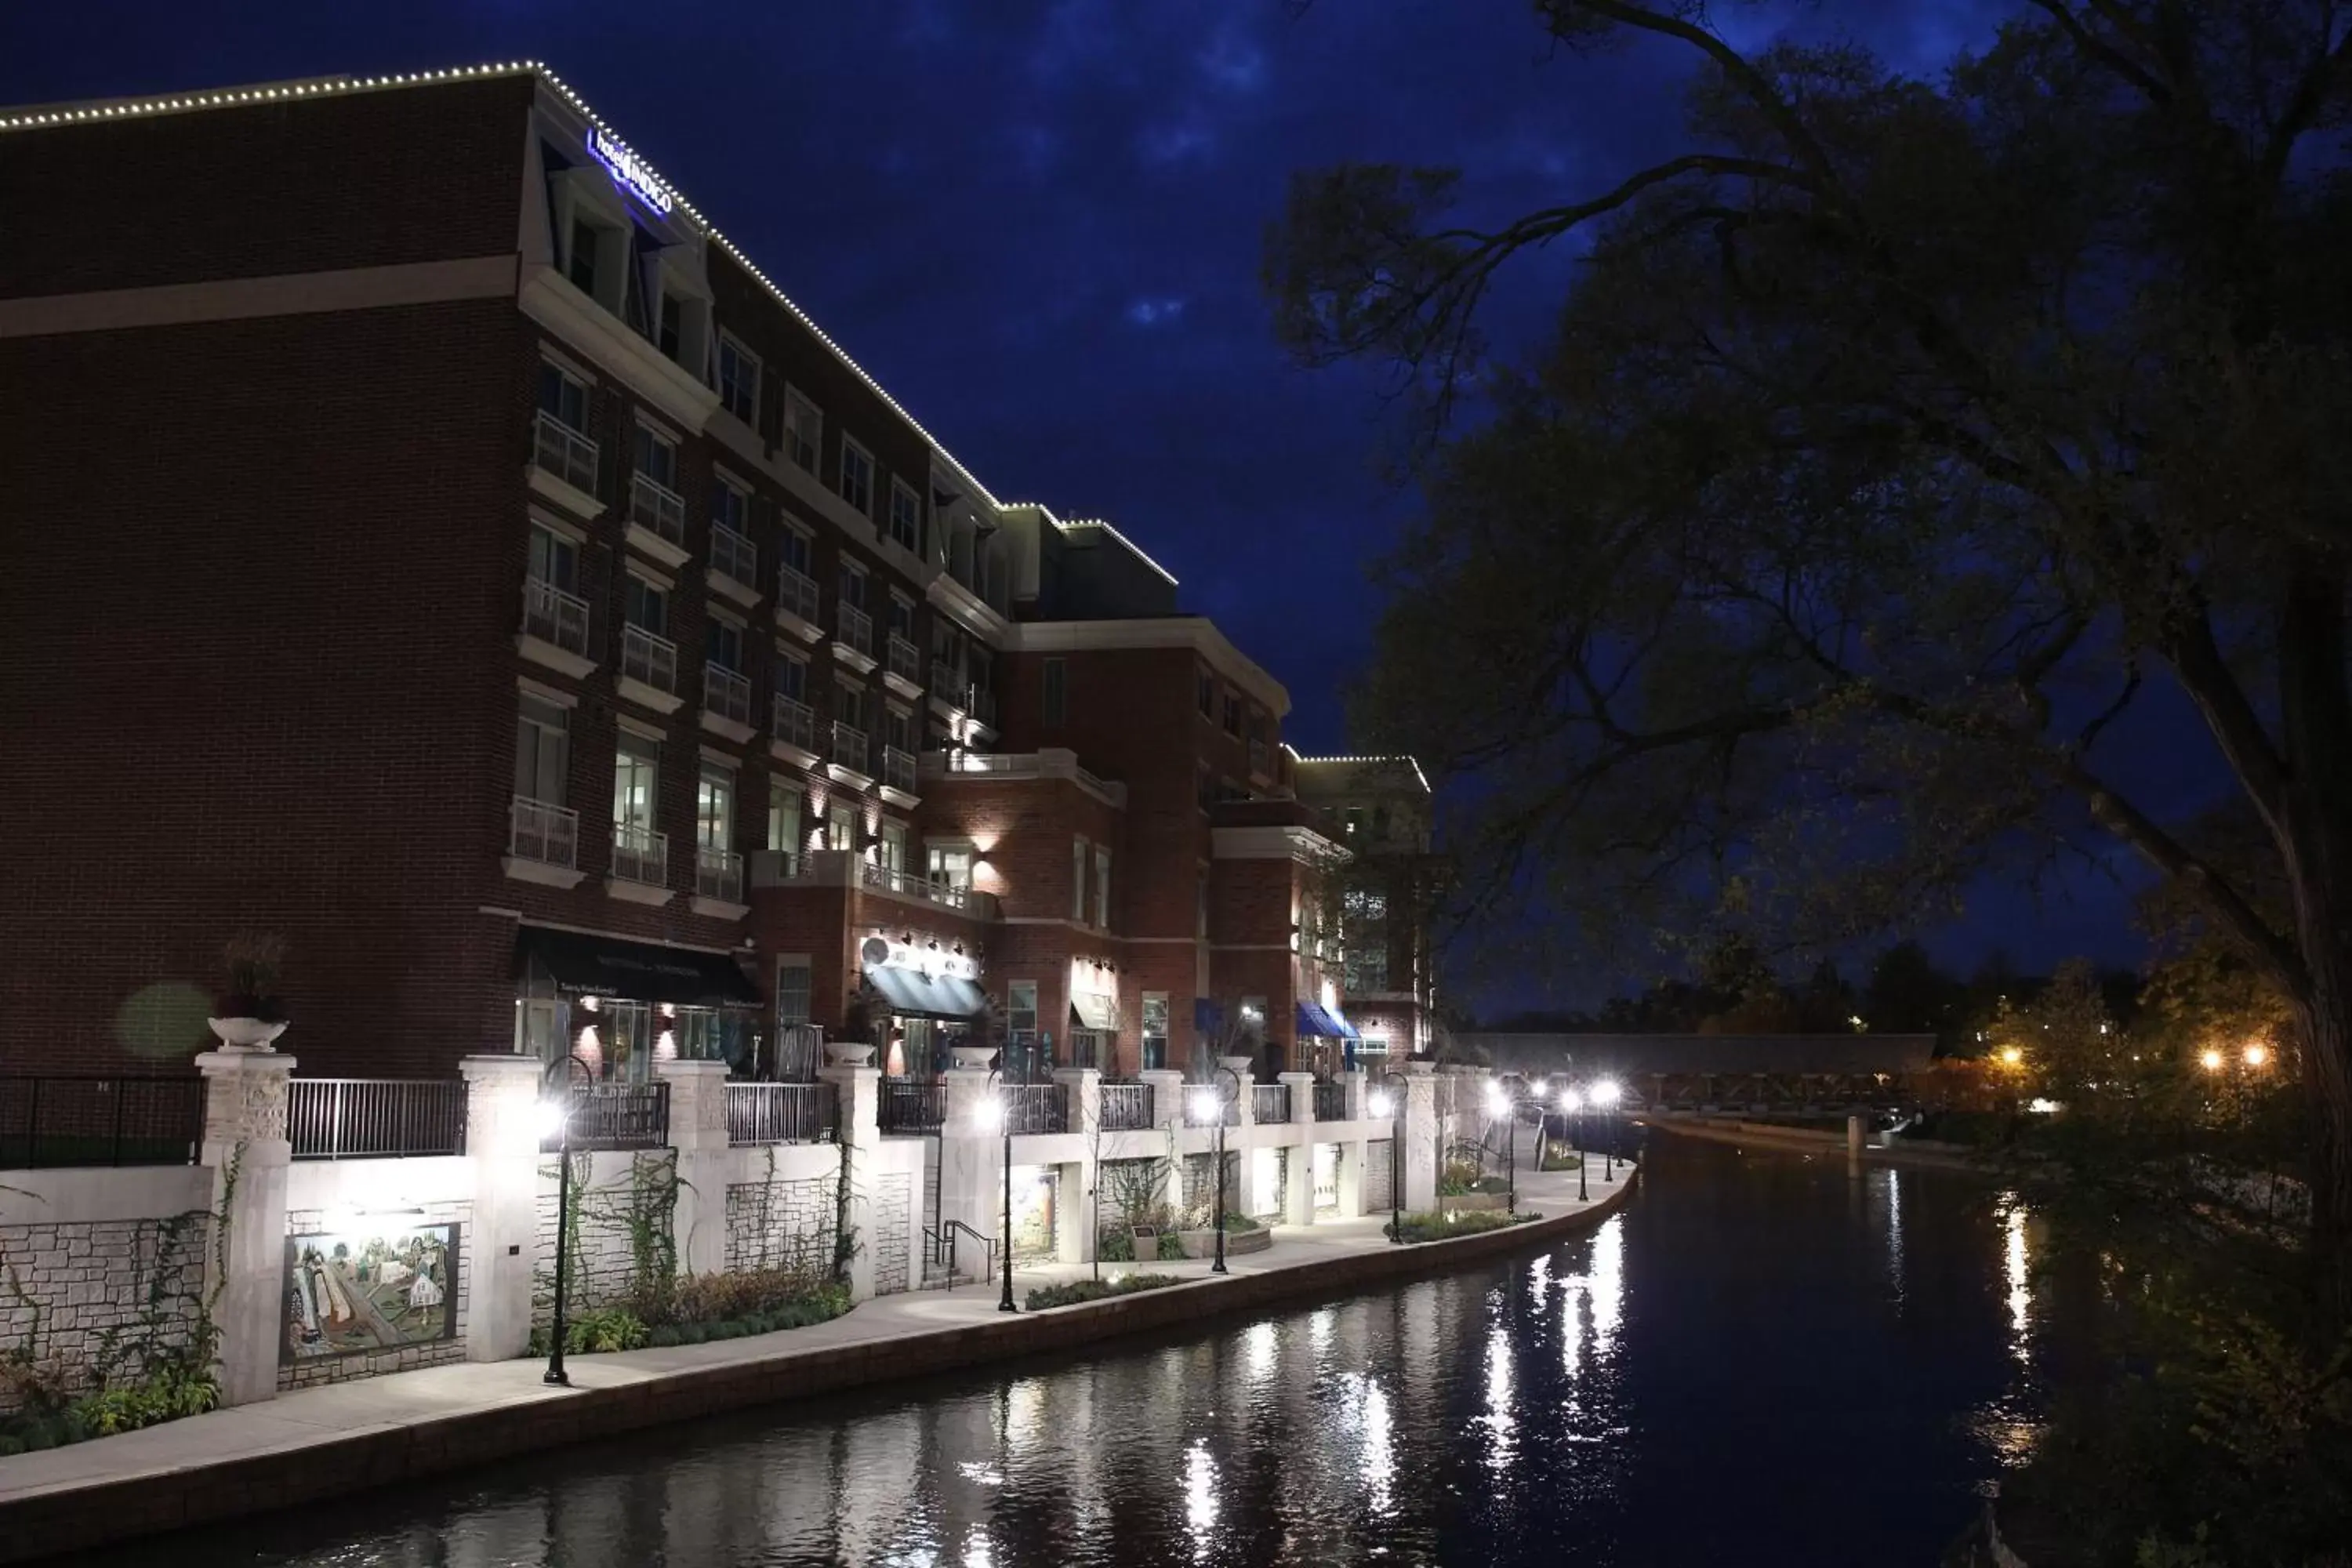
<point x="1908" y="994"/>
<point x="1897" y="439"/>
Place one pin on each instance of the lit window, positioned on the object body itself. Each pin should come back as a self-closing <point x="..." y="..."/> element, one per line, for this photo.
<point x="784" y="817"/>
<point x="714" y="808"/>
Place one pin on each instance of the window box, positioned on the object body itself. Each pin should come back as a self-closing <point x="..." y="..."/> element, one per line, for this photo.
<point x="554" y="629"/>
<point x="658" y="520"/>
<point x="853" y="643"/>
<point x="796" y="603"/>
<point x="649" y="670"/>
<point x="640" y="871"/>
<point x="904" y="671"/>
<point x="725" y="703"/>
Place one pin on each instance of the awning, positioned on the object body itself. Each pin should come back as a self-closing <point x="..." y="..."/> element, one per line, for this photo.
<point x="1347" y="1031"/>
<point x="1095" y="1011"/>
<point x="1313" y="1020"/>
<point x="911" y="993"/>
<point x="584" y="965"/>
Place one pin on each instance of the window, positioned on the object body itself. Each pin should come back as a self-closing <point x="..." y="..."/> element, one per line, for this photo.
<point x="1233" y="715"/>
<point x="897" y="727"/>
<point x="949" y="866"/>
<point x="739" y="376"/>
<point x="853" y="584"/>
<point x="1204" y="691"/>
<point x="1155" y="1029"/>
<point x="657" y="458"/>
<point x="636" y="761"/>
<point x="841" y="826"/>
<point x="894" y="846"/>
<point x="792" y="677"/>
<point x="793" y="990"/>
<point x="563" y="397"/>
<point x="1020" y="1006"/>
<point x="849" y="703"/>
<point x="624" y="1031"/>
<point x="1102" y="887"/>
<point x="554" y="560"/>
<point x="697" y="1035"/>
<point x="647" y="607"/>
<point x="1201" y="904"/>
<point x="724" y="646"/>
<point x="1078" y="880"/>
<point x="541" y="750"/>
<point x="792" y="548"/>
<point x="905" y="518"/>
<point x="858" y="477"/>
<point x="783" y="817"/>
<point x="730" y="507"/>
<point x="902" y="616"/>
<point x="1353" y="820"/>
<point x="581" y="264"/>
<point x="804" y="430"/>
<point x="1057" y="694"/>
<point x="714" y="808"/>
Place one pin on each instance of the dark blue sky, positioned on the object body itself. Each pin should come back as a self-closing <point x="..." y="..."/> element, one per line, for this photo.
<point x="1038" y="224"/>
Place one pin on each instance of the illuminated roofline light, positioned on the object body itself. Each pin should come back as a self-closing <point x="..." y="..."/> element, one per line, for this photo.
<point x="1409" y="761"/>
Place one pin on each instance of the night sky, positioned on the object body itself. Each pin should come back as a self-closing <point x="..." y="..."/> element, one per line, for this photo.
<point x="1038" y="224"/>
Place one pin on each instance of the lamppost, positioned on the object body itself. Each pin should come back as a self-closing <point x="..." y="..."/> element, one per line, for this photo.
<point x="1605" y="1095"/>
<point x="1573" y="1103"/>
<point x="1388" y="1100"/>
<point x="993" y="1109"/>
<point x="1211" y="1099"/>
<point x="555" y="1109"/>
<point x="1500" y="1103"/>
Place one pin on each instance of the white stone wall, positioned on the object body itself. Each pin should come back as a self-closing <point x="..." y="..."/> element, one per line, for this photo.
<point x="781" y="1222"/>
<point x="604" y="1253"/>
<point x="312" y="1370"/>
<point x="1378" y="1177"/>
<point x="892" y="1237"/>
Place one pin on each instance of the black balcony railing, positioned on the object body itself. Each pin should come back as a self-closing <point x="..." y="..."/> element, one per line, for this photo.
<point x="618" y="1116"/>
<point x="1331" y="1102"/>
<point x="1036" y="1107"/>
<point x="782" y="1113"/>
<point x="1272" y="1105"/>
<point x="100" y="1121"/>
<point x="374" y="1118"/>
<point x="913" y="1105"/>
<point x="1126" y="1107"/>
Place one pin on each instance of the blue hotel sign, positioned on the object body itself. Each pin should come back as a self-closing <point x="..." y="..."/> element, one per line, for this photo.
<point x="629" y="169"/>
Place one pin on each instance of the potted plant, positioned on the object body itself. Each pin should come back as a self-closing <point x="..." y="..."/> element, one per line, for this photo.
<point x="250" y="1017"/>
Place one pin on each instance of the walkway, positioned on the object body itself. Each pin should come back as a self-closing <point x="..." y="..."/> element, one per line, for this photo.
<point x="344" y="1438"/>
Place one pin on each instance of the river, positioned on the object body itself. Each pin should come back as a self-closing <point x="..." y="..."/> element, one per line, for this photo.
<point x="1761" y="1359"/>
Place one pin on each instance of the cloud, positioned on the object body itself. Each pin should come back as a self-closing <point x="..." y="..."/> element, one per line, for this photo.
<point x="1176" y="143"/>
<point x="1232" y="64"/>
<point x="1159" y="313"/>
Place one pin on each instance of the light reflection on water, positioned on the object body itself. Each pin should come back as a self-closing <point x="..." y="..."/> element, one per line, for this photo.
<point x="1833" y="1365"/>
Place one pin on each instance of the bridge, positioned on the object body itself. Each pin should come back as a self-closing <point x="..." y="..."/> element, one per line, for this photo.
<point x="1727" y="1075"/>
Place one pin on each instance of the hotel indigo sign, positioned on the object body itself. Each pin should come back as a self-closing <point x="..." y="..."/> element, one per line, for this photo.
<point x="629" y="169"/>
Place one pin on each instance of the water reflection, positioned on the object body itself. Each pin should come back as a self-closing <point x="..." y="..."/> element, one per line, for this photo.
<point x="1714" y="1341"/>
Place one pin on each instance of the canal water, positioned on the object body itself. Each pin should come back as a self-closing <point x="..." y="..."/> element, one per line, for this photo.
<point x="1761" y="1359"/>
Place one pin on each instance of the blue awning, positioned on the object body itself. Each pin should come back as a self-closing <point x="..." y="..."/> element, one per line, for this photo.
<point x="1313" y="1020"/>
<point x="1347" y="1030"/>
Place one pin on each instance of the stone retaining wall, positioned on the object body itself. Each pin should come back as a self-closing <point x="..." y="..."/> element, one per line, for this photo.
<point x="81" y="1292"/>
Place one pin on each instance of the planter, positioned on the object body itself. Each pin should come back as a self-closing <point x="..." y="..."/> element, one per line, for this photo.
<point x="849" y="1053"/>
<point x="972" y="1058"/>
<point x="1417" y="1067"/>
<point x="246" y="1033"/>
<point x="1240" y="1066"/>
<point x="1464" y="1203"/>
<point x="1203" y="1243"/>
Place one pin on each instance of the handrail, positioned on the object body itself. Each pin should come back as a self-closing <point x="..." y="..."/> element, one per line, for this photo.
<point x="943" y="1247"/>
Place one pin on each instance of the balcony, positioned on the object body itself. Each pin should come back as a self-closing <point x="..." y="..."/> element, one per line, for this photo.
<point x="1036" y="1108"/>
<point x="614" y="1116"/>
<point x="718" y="883"/>
<point x="1270" y="1104"/>
<point x="848" y="755"/>
<point x="1331" y="1102"/>
<point x="1049" y="763"/>
<point x="759" y="1113"/>
<point x="853" y="639"/>
<point x="640" y="865"/>
<point x="946" y="686"/>
<point x="649" y="670"/>
<point x="899" y="778"/>
<point x="734" y="566"/>
<point x="1126" y="1107"/>
<point x="658" y="520"/>
<point x="542" y="844"/>
<point x="903" y="670"/>
<point x="1260" y="760"/>
<point x="916" y="886"/>
<point x="554" y="629"/>
<point x="796" y="603"/>
<point x="563" y="466"/>
<point x="792" y="731"/>
<point x="726" y="701"/>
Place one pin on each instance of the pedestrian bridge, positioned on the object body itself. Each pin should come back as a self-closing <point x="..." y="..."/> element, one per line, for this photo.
<point x="1783" y="1075"/>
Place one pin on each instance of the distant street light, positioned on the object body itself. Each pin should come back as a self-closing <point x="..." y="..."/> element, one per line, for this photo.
<point x="1605" y="1094"/>
<point x="1573" y="1103"/>
<point x="2012" y="1056"/>
<point x="2212" y="1061"/>
<point x="2258" y="1055"/>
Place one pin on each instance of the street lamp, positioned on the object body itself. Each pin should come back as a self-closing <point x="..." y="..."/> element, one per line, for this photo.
<point x="1573" y="1103"/>
<point x="1389" y="1101"/>
<point x="993" y="1110"/>
<point x="1499" y="1103"/>
<point x="1210" y="1100"/>
<point x="2258" y="1055"/>
<point x="2211" y="1059"/>
<point x="1605" y="1095"/>
<point x="555" y="1107"/>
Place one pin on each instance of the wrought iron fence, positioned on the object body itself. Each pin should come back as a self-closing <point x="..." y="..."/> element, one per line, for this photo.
<point x="618" y="1116"/>
<point x="73" y="1120"/>
<point x="374" y="1118"/>
<point x="782" y="1113"/>
<point x="913" y="1105"/>
<point x="1331" y="1102"/>
<point x="1270" y="1104"/>
<point x="1126" y="1107"/>
<point x="1036" y="1107"/>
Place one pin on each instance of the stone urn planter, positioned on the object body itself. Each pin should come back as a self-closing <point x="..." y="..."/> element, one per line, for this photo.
<point x="250" y="1017"/>
<point x="1241" y="1065"/>
<point x="849" y="1053"/>
<point x="1419" y="1065"/>
<point x="973" y="1058"/>
<point x="243" y="1033"/>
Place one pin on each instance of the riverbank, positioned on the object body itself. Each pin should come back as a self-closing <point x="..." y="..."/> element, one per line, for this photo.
<point x="1807" y="1140"/>
<point x="347" y="1437"/>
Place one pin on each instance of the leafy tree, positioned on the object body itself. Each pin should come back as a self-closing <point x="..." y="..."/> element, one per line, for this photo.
<point x="1897" y="439"/>
<point x="1906" y="993"/>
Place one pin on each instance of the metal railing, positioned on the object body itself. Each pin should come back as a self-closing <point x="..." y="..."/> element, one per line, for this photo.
<point x="73" y="1120"/>
<point x="912" y="1105"/>
<point x="734" y="557"/>
<point x="898" y="769"/>
<point x="947" y="683"/>
<point x="654" y="505"/>
<point x="981" y="703"/>
<point x="547" y="833"/>
<point x="782" y="1113"/>
<point x="640" y="855"/>
<point x="906" y="662"/>
<point x="792" y="721"/>
<point x="374" y="1118"/>
<point x="849" y="746"/>
<point x="1087" y="1048"/>
<point x="1270" y="1103"/>
<point x="915" y="885"/>
<point x="796" y="594"/>
<point x="854" y="629"/>
<point x="1126" y="1107"/>
<point x="1036" y="1107"/>
<point x="727" y="693"/>
<point x="717" y="874"/>
<point x="1331" y="1102"/>
<point x="565" y="452"/>
<point x="552" y="616"/>
<point x="618" y="1116"/>
<point x="649" y="659"/>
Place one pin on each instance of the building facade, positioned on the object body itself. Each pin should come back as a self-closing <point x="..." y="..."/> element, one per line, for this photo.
<point x="1382" y="811"/>
<point x="451" y="555"/>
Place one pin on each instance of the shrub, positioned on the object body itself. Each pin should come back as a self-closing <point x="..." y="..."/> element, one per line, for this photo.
<point x="716" y="1298"/>
<point x="1115" y="1245"/>
<point x="1172" y="1247"/>
<point x="606" y="1329"/>
<point x="1445" y="1227"/>
<point x="1494" y="1187"/>
<point x="1459" y="1176"/>
<point x="1236" y="1222"/>
<point x="661" y="1336"/>
<point x="10" y="1443"/>
<point x="1044" y="1297"/>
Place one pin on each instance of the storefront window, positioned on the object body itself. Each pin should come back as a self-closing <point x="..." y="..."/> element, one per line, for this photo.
<point x="697" y="1030"/>
<point x="624" y="1041"/>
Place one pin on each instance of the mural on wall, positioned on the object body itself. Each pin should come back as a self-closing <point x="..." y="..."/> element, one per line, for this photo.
<point x="372" y="1286"/>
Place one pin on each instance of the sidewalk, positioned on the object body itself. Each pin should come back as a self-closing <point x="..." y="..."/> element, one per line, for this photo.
<point x="345" y="1437"/>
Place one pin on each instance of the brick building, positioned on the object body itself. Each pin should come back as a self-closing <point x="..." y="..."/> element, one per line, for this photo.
<point x="430" y="541"/>
<point x="1382" y="811"/>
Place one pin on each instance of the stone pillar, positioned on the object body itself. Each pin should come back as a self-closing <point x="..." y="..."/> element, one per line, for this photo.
<point x="1354" y="1081"/>
<point x="1167" y="1096"/>
<point x="972" y="1162"/>
<point x="1298" y="1181"/>
<point x="860" y="1132"/>
<point x="697" y="1131"/>
<point x="246" y="1149"/>
<point x="502" y="1138"/>
<point x="1353" y="1151"/>
<point x="1421" y="1134"/>
<point x="1074" y="1237"/>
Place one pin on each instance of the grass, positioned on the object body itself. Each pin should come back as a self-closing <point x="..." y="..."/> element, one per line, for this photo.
<point x="1047" y="1297"/>
<point x="1418" y="1227"/>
